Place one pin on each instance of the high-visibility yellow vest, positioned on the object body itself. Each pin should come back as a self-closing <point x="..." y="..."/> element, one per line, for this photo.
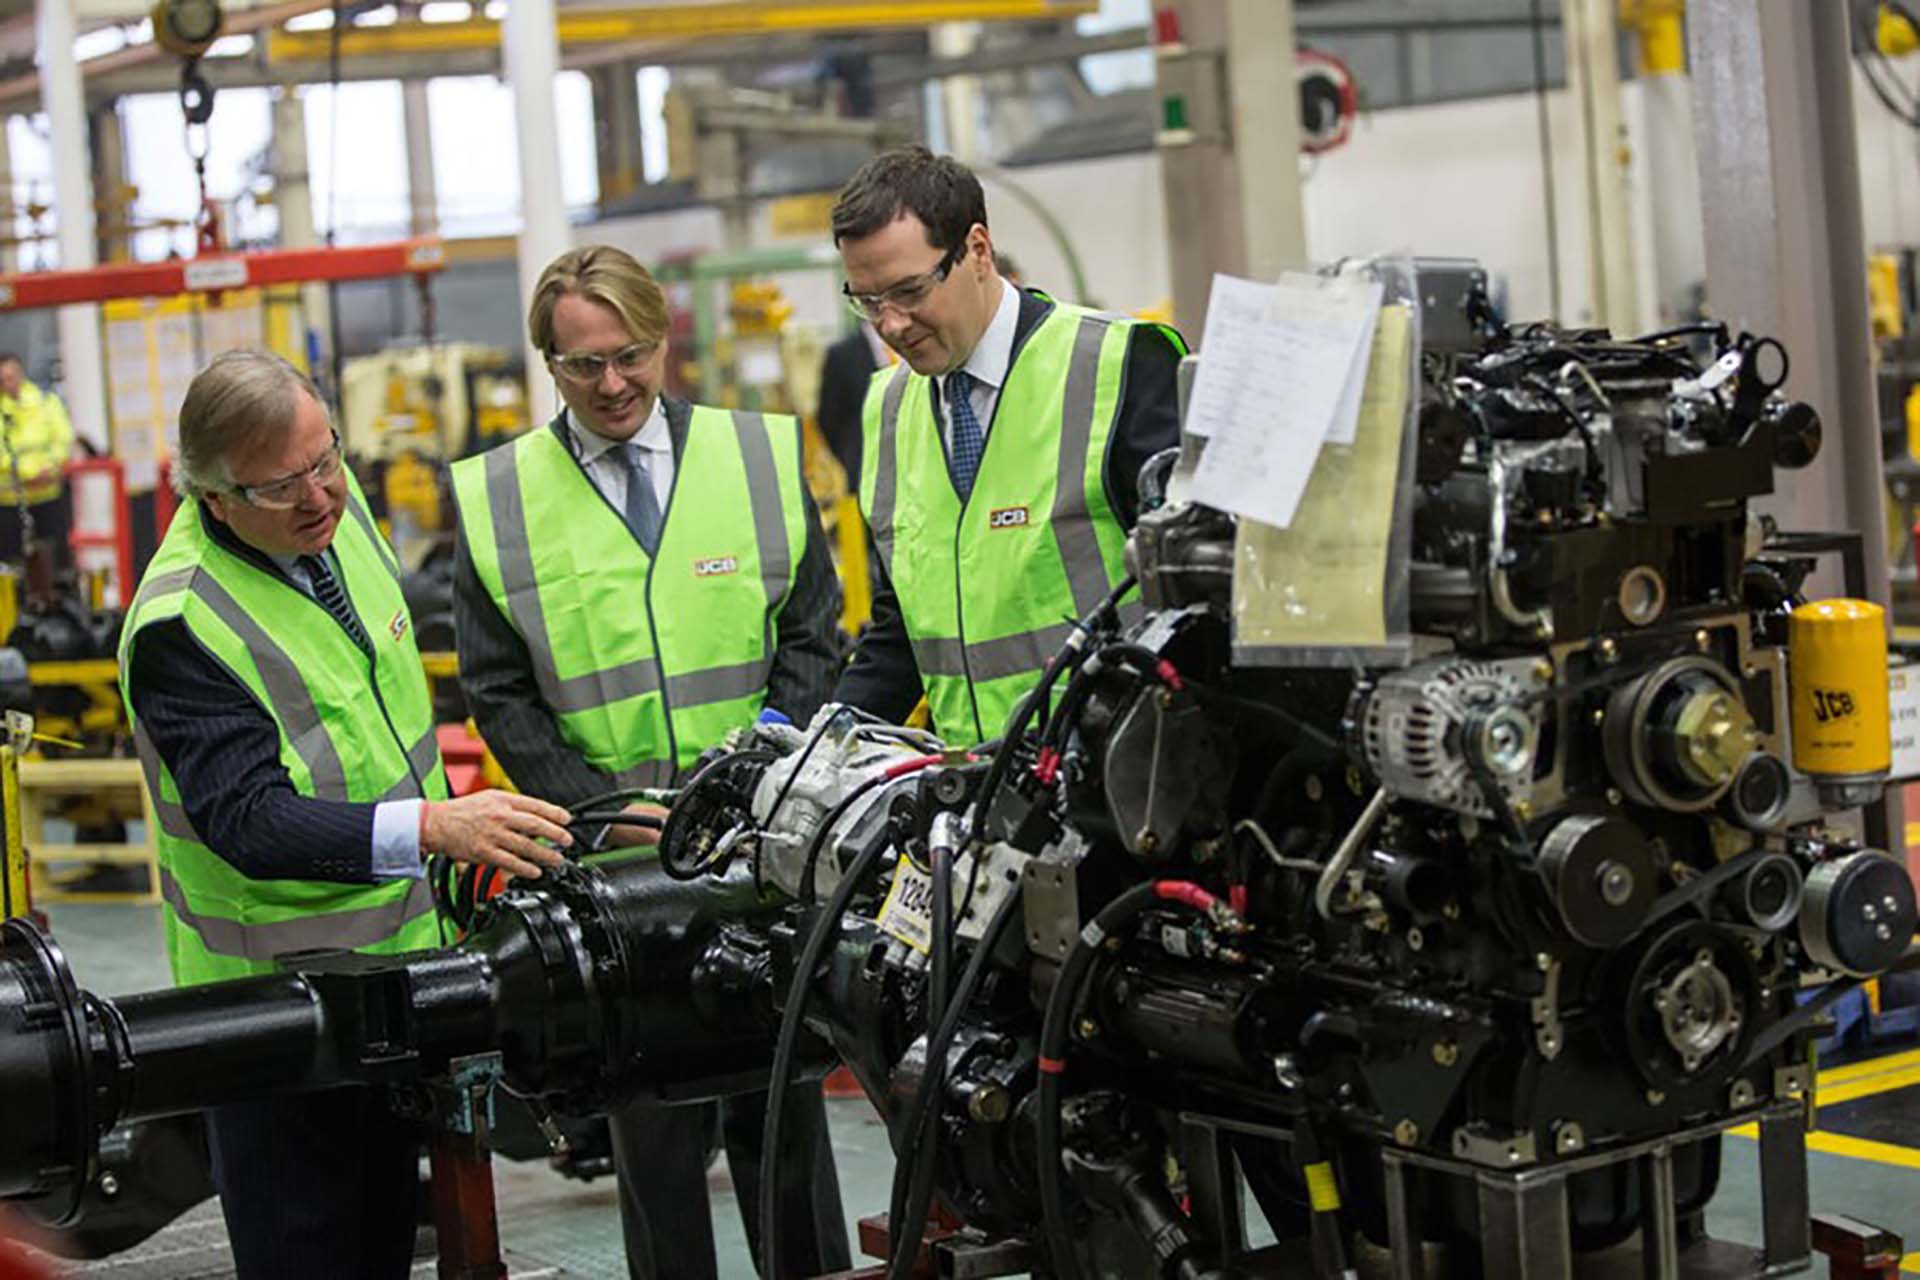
<point x="353" y="726"/>
<point x="35" y="440"/>
<point x="988" y="588"/>
<point x="643" y="661"/>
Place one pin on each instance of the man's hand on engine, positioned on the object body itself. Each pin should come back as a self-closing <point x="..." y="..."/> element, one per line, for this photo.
<point x="497" y="829"/>
<point x="628" y="835"/>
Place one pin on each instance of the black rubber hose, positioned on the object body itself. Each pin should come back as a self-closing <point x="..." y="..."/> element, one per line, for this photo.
<point x="920" y="1117"/>
<point x="1053" y="1043"/>
<point x="792" y="1019"/>
<point x="1038" y="695"/>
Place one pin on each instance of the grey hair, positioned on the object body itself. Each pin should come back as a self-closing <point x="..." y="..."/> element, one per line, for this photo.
<point x="241" y="395"/>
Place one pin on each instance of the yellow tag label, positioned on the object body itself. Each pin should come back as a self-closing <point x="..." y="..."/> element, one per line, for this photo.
<point x="1322" y="1192"/>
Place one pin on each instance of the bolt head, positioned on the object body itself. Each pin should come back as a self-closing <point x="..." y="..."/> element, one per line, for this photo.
<point x="1088" y="1028"/>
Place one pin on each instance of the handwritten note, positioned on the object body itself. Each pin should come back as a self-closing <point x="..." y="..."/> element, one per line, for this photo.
<point x="1273" y="386"/>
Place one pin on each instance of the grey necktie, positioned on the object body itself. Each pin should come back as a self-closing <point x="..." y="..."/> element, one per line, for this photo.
<point x="643" y="508"/>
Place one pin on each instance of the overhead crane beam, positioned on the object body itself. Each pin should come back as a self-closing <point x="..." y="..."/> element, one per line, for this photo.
<point x="21" y="93"/>
<point x="670" y="21"/>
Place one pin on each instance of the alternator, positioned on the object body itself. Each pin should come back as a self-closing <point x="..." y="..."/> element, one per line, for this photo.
<point x="1429" y="729"/>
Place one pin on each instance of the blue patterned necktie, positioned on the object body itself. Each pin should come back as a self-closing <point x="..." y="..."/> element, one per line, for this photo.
<point x="969" y="442"/>
<point x="643" y="507"/>
<point x="333" y="598"/>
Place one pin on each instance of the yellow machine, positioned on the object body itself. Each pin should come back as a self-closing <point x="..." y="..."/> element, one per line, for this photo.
<point x="409" y="411"/>
<point x="439" y="402"/>
<point x="1838" y="682"/>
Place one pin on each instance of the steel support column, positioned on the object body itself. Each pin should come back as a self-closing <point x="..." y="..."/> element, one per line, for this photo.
<point x="14" y="199"/>
<point x="82" y="381"/>
<point x="1593" y="83"/>
<point x="423" y="198"/>
<point x="1786" y="252"/>
<point x="616" y="130"/>
<point x="1229" y="147"/>
<point x="110" y="187"/>
<point x="293" y="197"/>
<point x="530" y="50"/>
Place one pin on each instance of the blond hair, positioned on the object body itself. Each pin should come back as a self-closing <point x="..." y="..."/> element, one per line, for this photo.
<point x="240" y="395"/>
<point x="607" y="275"/>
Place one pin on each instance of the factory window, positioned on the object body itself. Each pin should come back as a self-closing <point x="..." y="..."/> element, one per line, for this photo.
<point x="370" y="201"/>
<point x="30" y="184"/>
<point x="1122" y="69"/>
<point x="473" y="115"/>
<point x="160" y="172"/>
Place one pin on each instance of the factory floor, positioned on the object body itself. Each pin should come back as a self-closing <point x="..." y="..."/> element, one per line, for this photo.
<point x="1865" y="1158"/>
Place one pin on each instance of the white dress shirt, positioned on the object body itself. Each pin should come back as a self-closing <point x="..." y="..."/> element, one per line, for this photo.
<point x="607" y="467"/>
<point x="988" y="364"/>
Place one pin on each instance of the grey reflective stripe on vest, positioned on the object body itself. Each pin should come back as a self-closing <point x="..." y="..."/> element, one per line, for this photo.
<point x="381" y="551"/>
<point x="886" y="466"/>
<point x="169" y="814"/>
<point x="776" y="558"/>
<point x="165" y="584"/>
<point x="1023" y="652"/>
<point x="338" y="930"/>
<point x="286" y="690"/>
<point x="423" y="757"/>
<point x="1073" y="530"/>
<point x="648" y="773"/>
<point x="719" y="684"/>
<point x="522" y="592"/>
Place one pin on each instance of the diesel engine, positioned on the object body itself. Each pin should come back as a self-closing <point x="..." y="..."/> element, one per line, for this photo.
<point x="1481" y="947"/>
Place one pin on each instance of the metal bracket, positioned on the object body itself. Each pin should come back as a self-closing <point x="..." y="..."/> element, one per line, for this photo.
<point x="1476" y="1144"/>
<point x="464" y="1101"/>
<point x="1548" y="1036"/>
<point x="1051" y="901"/>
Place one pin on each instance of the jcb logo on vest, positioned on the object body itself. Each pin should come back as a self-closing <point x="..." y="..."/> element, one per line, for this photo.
<point x="1006" y="517"/>
<point x="713" y="566"/>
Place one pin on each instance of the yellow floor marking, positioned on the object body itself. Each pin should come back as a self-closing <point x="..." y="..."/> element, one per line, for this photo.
<point x="1871" y="1067"/>
<point x="1839" y="1144"/>
<point x="1831" y="1095"/>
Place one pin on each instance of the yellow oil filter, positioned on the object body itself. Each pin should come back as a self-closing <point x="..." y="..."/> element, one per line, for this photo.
<point x="1837" y="676"/>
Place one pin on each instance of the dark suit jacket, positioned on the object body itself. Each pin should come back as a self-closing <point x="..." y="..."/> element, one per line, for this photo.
<point x="497" y="672"/>
<point x="883" y="677"/>
<point x="223" y="750"/>
<point x="844" y="375"/>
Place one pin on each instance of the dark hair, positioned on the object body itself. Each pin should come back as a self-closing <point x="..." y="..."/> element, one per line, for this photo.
<point x="7" y="357"/>
<point x="938" y="190"/>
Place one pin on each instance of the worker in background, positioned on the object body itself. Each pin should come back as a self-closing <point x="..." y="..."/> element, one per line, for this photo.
<point x="35" y="440"/>
<point x="845" y="373"/>
<point x="284" y="726"/>
<point x="632" y="582"/>
<point x="1001" y="456"/>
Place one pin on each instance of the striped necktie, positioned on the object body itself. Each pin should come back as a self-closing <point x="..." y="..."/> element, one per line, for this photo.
<point x="643" y="505"/>
<point x="333" y="598"/>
